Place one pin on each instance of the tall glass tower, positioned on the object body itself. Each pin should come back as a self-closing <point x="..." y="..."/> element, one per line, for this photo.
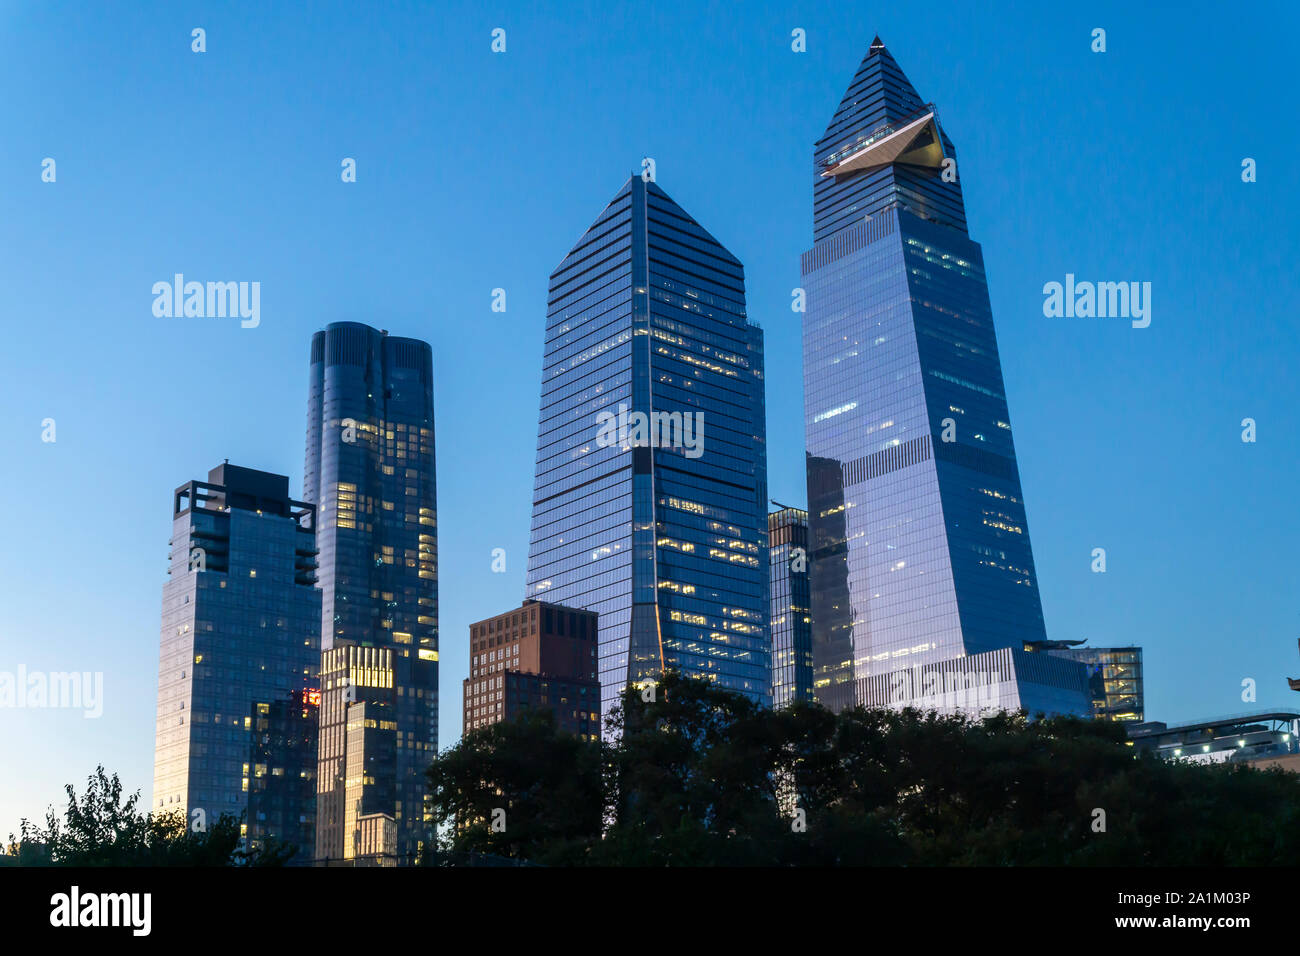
<point x="237" y="691"/>
<point x="650" y="499"/>
<point x="920" y="543"/>
<point x="370" y="473"/>
<point x="791" y="622"/>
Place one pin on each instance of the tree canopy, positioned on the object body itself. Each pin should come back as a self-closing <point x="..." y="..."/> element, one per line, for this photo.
<point x="104" y="828"/>
<point x="690" y="774"/>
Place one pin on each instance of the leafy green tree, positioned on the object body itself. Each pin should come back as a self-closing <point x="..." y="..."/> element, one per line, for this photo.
<point x="104" y="828"/>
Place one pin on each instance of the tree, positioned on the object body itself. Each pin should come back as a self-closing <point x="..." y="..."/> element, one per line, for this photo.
<point x="101" y="828"/>
<point x="519" y="789"/>
<point x="696" y="775"/>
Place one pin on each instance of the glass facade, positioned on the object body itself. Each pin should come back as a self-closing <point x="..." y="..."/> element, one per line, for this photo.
<point x="919" y="538"/>
<point x="1114" y="680"/>
<point x="649" y="502"/>
<point x="370" y="471"/>
<point x="237" y="701"/>
<point x="976" y="684"/>
<point x="791" y="622"/>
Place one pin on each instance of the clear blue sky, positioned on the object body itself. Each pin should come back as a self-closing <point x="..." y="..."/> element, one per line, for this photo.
<point x="478" y="170"/>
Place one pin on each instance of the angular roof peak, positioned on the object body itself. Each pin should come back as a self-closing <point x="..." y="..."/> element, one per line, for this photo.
<point x="879" y="92"/>
<point x="883" y="145"/>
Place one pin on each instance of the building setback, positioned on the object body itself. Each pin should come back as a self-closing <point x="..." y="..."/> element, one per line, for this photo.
<point x="920" y="544"/>
<point x="792" y="661"/>
<point x="370" y="471"/>
<point x="237" y="693"/>
<point x="540" y="656"/>
<point x="649" y="505"/>
<point x="1114" y="677"/>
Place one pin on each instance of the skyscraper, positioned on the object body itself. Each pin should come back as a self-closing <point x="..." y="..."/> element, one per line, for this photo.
<point x="650" y="499"/>
<point x="237" y="702"/>
<point x="921" y="551"/>
<point x="370" y="472"/>
<point x="539" y="655"/>
<point x="792" y="660"/>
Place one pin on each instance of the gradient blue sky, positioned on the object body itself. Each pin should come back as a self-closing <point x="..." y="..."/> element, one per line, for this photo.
<point x="478" y="171"/>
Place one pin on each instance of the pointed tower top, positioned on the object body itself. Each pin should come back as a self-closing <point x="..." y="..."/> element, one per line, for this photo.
<point x="882" y="122"/>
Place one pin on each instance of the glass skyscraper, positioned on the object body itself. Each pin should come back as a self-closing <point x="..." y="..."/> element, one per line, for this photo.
<point x="791" y="623"/>
<point x="237" y="701"/>
<point x="370" y="472"/>
<point x="650" y="499"/>
<point x="920" y="543"/>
